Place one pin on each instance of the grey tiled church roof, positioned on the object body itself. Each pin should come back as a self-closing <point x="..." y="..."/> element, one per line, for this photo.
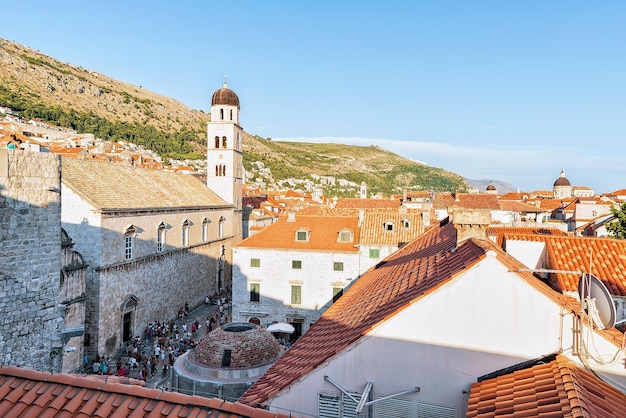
<point x="109" y="186"/>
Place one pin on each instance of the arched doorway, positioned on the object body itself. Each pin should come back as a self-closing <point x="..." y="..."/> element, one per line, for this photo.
<point x="128" y="310"/>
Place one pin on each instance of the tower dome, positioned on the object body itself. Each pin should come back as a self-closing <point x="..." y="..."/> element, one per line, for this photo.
<point x="562" y="180"/>
<point x="225" y="96"/>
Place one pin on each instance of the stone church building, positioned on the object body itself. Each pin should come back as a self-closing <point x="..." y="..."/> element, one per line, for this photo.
<point x="154" y="241"/>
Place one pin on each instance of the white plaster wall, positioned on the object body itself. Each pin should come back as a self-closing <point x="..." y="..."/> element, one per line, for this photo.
<point x="276" y="276"/>
<point x="365" y="262"/>
<point x="484" y="320"/>
<point x="530" y="253"/>
<point x="83" y="224"/>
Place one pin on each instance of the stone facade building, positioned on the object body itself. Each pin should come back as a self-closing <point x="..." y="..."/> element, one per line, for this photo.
<point x="154" y="241"/>
<point x="30" y="260"/>
<point x="73" y="297"/>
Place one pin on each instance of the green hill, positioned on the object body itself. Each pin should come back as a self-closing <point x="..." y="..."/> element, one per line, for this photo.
<point x="40" y="87"/>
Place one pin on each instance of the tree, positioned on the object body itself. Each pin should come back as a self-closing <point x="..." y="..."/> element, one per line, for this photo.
<point x="618" y="227"/>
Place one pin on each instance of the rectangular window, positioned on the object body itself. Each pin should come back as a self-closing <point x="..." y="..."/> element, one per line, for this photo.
<point x="255" y="292"/>
<point x="338" y="266"/>
<point x="337" y="292"/>
<point x="296" y="294"/>
<point x="128" y="247"/>
<point x="345" y="236"/>
<point x="301" y="236"/>
<point x="255" y="262"/>
<point x="374" y="253"/>
<point x="296" y="264"/>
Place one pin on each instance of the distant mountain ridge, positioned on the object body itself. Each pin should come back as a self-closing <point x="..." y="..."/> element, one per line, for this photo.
<point x="46" y="86"/>
<point x="501" y="187"/>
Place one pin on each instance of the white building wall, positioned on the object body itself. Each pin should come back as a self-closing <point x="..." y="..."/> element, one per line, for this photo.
<point x="530" y="253"/>
<point x="365" y="262"/>
<point x="276" y="276"/>
<point x="83" y="224"/>
<point x="484" y="320"/>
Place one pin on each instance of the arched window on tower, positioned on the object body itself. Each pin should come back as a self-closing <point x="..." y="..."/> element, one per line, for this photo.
<point x="222" y="114"/>
<point x="231" y="114"/>
<point x="223" y="170"/>
<point x="217" y="142"/>
<point x="223" y="142"/>
<point x="217" y="167"/>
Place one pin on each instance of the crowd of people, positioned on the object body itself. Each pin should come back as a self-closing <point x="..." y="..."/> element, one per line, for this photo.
<point x="162" y="343"/>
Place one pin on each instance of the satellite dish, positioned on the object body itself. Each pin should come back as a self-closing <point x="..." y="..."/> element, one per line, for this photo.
<point x="597" y="301"/>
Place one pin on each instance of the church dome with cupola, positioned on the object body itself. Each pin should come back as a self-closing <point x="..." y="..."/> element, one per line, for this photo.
<point x="562" y="187"/>
<point x="225" y="96"/>
<point x="562" y="180"/>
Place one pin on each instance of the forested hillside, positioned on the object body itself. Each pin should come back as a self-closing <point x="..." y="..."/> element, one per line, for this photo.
<point x="40" y="87"/>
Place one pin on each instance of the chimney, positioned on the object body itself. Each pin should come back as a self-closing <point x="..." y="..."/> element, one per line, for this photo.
<point x="470" y="223"/>
<point x="291" y="216"/>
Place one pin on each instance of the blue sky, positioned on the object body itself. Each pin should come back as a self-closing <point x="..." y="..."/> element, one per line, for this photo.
<point x="503" y="90"/>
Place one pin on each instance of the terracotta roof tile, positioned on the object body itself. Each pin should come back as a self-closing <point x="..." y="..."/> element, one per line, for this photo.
<point x="411" y="272"/>
<point x="367" y="204"/>
<point x="28" y="393"/>
<point x="605" y="258"/>
<point x="119" y="186"/>
<point x="500" y="232"/>
<point x="556" y="388"/>
<point x="323" y="234"/>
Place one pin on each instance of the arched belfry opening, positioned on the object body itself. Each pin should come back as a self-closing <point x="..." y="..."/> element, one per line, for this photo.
<point x="128" y="309"/>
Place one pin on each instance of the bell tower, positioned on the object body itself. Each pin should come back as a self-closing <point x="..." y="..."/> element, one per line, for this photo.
<point x="224" y="142"/>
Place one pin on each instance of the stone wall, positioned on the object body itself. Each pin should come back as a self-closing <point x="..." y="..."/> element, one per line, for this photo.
<point x="161" y="284"/>
<point x="30" y="261"/>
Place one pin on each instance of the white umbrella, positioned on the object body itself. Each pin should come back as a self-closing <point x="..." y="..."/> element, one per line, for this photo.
<point x="281" y="327"/>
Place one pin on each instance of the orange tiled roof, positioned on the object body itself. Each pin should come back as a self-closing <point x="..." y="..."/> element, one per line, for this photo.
<point x="373" y="230"/>
<point x="518" y="196"/>
<point x="327" y="211"/>
<point x="477" y="201"/>
<point x="28" y="393"/>
<point x="551" y="204"/>
<point x="367" y="203"/>
<point x="500" y="232"/>
<point x="607" y="257"/>
<point x="559" y="388"/>
<point x="414" y="270"/>
<point x="408" y="274"/>
<point x="323" y="233"/>
<point x="512" y="206"/>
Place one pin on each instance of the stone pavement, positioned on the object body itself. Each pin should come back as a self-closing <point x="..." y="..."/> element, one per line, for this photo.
<point x="200" y="314"/>
<point x="160" y="380"/>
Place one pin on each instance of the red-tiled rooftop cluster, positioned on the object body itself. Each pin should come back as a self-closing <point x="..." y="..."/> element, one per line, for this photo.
<point x="605" y="258"/>
<point x="557" y="388"/>
<point x="418" y="268"/>
<point x="27" y="393"/>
